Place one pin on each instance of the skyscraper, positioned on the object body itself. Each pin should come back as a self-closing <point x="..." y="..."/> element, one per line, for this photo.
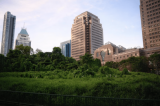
<point x="66" y="48"/>
<point x="23" y="38"/>
<point x="86" y="35"/>
<point x="8" y="33"/>
<point x="150" y="22"/>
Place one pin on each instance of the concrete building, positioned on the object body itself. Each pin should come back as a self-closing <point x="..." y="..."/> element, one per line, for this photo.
<point x="150" y="22"/>
<point x="8" y="33"/>
<point x="23" y="38"/>
<point x="86" y="35"/>
<point x="66" y="48"/>
<point x="111" y="52"/>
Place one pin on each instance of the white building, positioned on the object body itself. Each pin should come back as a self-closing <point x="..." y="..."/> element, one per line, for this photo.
<point x="23" y="38"/>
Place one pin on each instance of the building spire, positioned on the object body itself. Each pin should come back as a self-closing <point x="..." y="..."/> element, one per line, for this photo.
<point x="23" y="25"/>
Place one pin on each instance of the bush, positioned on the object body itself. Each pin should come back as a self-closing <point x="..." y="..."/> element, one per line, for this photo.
<point x="90" y="72"/>
<point x="107" y="70"/>
<point x="101" y="70"/>
<point x="95" y="68"/>
<point x="125" y="71"/>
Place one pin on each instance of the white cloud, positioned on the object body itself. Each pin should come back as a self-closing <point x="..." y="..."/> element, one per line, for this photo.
<point x="126" y="27"/>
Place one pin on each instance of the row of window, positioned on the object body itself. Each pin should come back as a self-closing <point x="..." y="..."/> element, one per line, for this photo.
<point x="23" y="38"/>
<point x="153" y="18"/>
<point x="154" y="41"/>
<point x="154" y="45"/>
<point x="154" y="37"/>
<point x="152" y="3"/>
<point x="151" y="11"/>
<point x="126" y="56"/>
<point x="153" y="14"/>
<point x="153" y="21"/>
<point x="154" y="29"/>
<point x="155" y="33"/>
<point x="153" y="25"/>
<point x="153" y="7"/>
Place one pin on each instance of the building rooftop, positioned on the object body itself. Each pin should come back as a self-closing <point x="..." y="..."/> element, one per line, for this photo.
<point x="23" y="31"/>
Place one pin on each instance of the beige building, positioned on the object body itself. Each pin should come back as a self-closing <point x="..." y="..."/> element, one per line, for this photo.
<point x="111" y="52"/>
<point x="150" y="22"/>
<point x="86" y="35"/>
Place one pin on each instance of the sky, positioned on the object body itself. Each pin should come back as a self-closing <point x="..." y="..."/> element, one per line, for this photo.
<point x="49" y="22"/>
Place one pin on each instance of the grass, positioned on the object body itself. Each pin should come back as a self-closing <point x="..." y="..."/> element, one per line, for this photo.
<point x="134" y="85"/>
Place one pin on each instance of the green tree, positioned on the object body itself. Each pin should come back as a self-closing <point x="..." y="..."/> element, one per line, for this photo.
<point x="2" y="62"/>
<point x="26" y="50"/>
<point x="87" y="58"/>
<point x="155" y="60"/>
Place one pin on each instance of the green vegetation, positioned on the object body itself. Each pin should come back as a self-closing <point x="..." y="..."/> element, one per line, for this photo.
<point x="105" y="82"/>
<point x="53" y="73"/>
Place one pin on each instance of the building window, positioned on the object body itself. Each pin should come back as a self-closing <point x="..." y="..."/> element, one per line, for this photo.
<point x="136" y="54"/>
<point x="131" y="54"/>
<point x="103" y="55"/>
<point x="109" y="52"/>
<point x="123" y="56"/>
<point x="97" y="54"/>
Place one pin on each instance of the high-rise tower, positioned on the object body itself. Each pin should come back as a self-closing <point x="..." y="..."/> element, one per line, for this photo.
<point x="150" y="22"/>
<point x="66" y="48"/>
<point x="23" y="38"/>
<point x="86" y="35"/>
<point x="8" y="33"/>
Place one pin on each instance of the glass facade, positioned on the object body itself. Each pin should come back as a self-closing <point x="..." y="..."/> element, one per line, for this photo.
<point x="66" y="48"/>
<point x="8" y="33"/>
<point x="103" y="55"/>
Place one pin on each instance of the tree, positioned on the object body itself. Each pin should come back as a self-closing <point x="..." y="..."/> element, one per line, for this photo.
<point x="26" y="50"/>
<point x="2" y="62"/>
<point x="87" y="58"/>
<point x="38" y="50"/>
<point x="155" y="59"/>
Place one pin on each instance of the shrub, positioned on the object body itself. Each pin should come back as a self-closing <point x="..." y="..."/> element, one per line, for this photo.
<point x="107" y="70"/>
<point x="125" y="71"/>
<point x="90" y="72"/>
<point x="101" y="70"/>
<point x="95" y="68"/>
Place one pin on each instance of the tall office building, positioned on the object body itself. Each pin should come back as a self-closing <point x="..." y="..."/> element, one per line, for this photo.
<point x="86" y="35"/>
<point x="150" y="22"/>
<point x="23" y="38"/>
<point x="66" y="48"/>
<point x="8" y="33"/>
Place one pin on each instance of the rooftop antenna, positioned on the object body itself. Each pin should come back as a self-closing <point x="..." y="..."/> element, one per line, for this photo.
<point x="24" y="25"/>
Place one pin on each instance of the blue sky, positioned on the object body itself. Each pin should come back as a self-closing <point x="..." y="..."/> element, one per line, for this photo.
<point x="49" y="22"/>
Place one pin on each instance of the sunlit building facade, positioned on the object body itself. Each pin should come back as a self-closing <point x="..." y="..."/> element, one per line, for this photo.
<point x="86" y="35"/>
<point x="150" y="22"/>
<point x="8" y="33"/>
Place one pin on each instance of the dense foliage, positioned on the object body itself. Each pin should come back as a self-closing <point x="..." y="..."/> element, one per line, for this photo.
<point x="22" y="70"/>
<point x="106" y="82"/>
<point x="23" y="59"/>
<point x="138" y="64"/>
